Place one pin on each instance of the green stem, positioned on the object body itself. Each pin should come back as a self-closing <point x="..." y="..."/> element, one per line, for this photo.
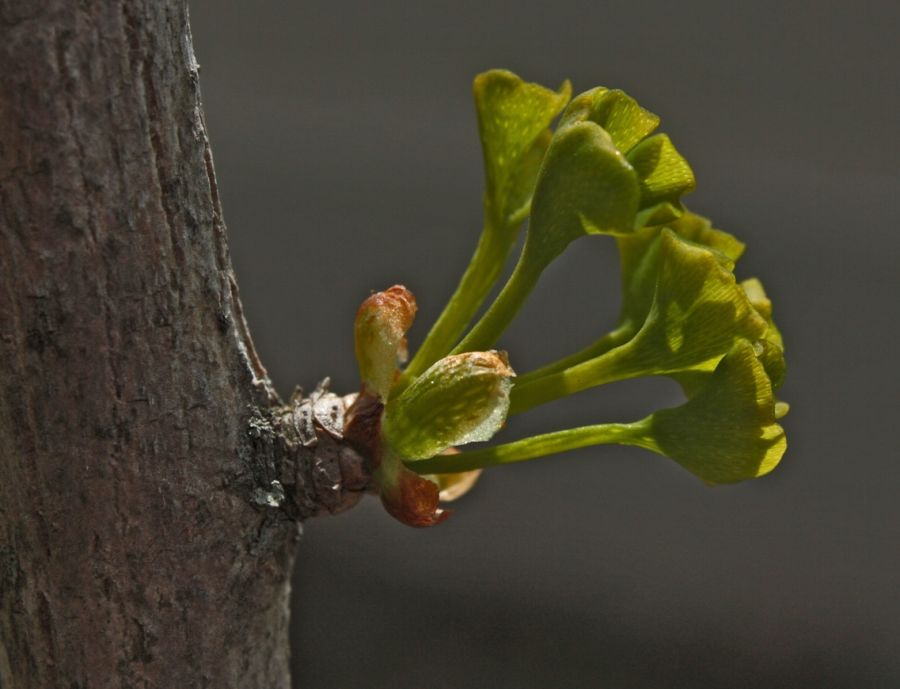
<point x="638" y="434"/>
<point x="609" y="367"/>
<point x="485" y="267"/>
<point x="611" y="340"/>
<point x="487" y="331"/>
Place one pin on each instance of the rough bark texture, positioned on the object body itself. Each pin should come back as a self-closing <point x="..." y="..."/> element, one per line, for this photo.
<point x="150" y="485"/>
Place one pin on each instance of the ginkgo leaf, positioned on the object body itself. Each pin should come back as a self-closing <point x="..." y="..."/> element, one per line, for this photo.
<point x="514" y="117"/>
<point x="699" y="230"/>
<point x="639" y="255"/>
<point x="639" y="265"/>
<point x="770" y="349"/>
<point x="665" y="177"/>
<point x="619" y="114"/>
<point x="761" y="302"/>
<point x="514" y="120"/>
<point x="585" y="187"/>
<point x="698" y="311"/>
<point x="727" y="432"/>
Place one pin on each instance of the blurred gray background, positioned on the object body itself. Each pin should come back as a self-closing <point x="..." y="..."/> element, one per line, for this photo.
<point x="348" y="160"/>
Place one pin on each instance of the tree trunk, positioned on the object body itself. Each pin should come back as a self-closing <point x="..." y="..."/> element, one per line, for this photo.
<point x="151" y="485"/>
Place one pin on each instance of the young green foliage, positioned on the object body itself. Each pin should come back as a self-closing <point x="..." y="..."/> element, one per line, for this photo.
<point x="603" y="171"/>
<point x="514" y="124"/>
<point x="588" y="185"/>
<point x="696" y="312"/>
<point x="727" y="432"/>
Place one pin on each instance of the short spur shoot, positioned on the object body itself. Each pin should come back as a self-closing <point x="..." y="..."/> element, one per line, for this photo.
<point x="602" y="170"/>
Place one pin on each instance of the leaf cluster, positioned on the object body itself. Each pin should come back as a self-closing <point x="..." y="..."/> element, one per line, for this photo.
<point x="603" y="170"/>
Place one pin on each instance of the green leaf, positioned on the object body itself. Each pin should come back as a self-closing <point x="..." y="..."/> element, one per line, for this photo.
<point x="640" y="263"/>
<point x="517" y="204"/>
<point x="639" y="259"/>
<point x="602" y="174"/>
<point x="460" y="399"/>
<point x="639" y="255"/>
<point x="514" y="117"/>
<point x="585" y="187"/>
<point x="771" y="356"/>
<point x="771" y="347"/>
<point x="727" y="432"/>
<point x="696" y="314"/>
<point x="665" y="177"/>
<point x="763" y="305"/>
<point x="699" y="230"/>
<point x="664" y="174"/>
<point x="619" y="114"/>
<point x="698" y="311"/>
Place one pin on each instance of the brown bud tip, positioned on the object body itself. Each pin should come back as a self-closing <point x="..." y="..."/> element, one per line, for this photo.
<point x="380" y="333"/>
<point x="397" y="302"/>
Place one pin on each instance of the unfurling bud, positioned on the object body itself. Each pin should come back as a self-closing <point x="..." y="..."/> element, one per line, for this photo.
<point x="380" y="332"/>
<point x="462" y="398"/>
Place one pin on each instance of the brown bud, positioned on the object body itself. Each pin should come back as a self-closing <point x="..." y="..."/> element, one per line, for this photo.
<point x="380" y="333"/>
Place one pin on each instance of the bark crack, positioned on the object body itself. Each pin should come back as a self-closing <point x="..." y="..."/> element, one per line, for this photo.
<point x="141" y="63"/>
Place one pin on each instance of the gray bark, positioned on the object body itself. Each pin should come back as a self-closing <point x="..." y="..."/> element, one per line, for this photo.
<point x="151" y="483"/>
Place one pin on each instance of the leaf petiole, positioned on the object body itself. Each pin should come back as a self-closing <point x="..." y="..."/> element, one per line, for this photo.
<point x="611" y="340"/>
<point x="490" y="327"/>
<point x="615" y="364"/>
<point x="637" y="434"/>
<point x="480" y="276"/>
